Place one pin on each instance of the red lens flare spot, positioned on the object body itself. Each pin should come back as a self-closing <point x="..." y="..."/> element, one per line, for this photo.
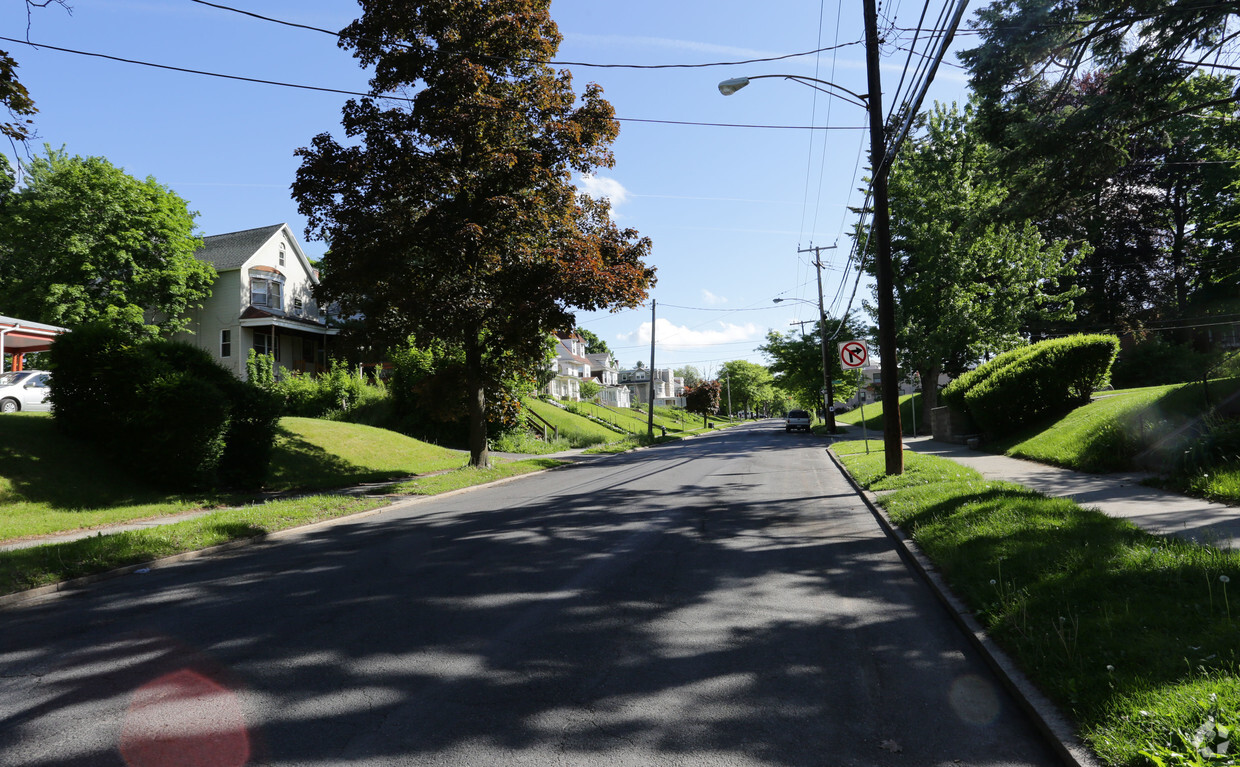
<point x="185" y="719"/>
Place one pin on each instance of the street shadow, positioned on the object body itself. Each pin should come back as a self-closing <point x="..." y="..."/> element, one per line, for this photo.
<point x="634" y="609"/>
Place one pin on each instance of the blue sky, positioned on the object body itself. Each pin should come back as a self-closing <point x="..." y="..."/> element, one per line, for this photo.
<point x="727" y="208"/>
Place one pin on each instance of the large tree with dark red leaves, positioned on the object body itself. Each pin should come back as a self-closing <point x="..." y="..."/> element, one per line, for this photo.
<point x="450" y="211"/>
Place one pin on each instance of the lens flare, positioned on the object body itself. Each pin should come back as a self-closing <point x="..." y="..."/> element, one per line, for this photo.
<point x="185" y="719"/>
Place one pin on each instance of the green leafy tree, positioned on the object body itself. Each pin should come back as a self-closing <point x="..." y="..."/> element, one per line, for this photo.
<point x="590" y="390"/>
<point x="1033" y="55"/>
<point x="796" y="362"/>
<point x="453" y="218"/>
<point x="749" y="383"/>
<point x="594" y="344"/>
<point x="965" y="286"/>
<point x="691" y="375"/>
<point x="82" y="240"/>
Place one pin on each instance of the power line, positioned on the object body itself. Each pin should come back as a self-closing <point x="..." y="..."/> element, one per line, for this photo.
<point x="551" y="62"/>
<point x="405" y="99"/>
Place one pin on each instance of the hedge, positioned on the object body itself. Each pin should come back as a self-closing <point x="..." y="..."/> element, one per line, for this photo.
<point x="1035" y="382"/>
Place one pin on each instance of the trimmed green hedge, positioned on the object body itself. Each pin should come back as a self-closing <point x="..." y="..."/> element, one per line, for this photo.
<point x="1034" y="382"/>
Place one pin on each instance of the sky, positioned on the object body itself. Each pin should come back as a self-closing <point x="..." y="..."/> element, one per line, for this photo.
<point x="732" y="211"/>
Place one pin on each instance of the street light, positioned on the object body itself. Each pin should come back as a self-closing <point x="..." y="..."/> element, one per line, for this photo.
<point x="872" y="101"/>
<point x="828" y="385"/>
<point x="734" y="84"/>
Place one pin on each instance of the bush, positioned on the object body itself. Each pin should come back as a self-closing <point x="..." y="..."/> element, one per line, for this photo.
<point x="1030" y="384"/>
<point x="250" y="437"/>
<point x="163" y="408"/>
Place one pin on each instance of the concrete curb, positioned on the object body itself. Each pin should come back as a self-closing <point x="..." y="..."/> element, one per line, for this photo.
<point x="1057" y="729"/>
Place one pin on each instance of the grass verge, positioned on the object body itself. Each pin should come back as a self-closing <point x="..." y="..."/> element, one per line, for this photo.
<point x="23" y="569"/>
<point x="1131" y="634"/>
<point x="30" y="568"/>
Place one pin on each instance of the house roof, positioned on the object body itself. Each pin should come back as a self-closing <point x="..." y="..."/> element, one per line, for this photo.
<point x="232" y="250"/>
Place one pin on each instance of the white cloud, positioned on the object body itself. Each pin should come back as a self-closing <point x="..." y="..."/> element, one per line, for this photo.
<point x="600" y="187"/>
<point x="682" y="337"/>
<point x="629" y="42"/>
<point x="710" y="299"/>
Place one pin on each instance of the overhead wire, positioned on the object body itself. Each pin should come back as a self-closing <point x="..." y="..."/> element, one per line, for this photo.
<point x="552" y="62"/>
<point x="406" y="99"/>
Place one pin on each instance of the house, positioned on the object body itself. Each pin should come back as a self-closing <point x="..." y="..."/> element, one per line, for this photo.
<point x="263" y="299"/>
<point x="605" y="370"/>
<point x="571" y="367"/>
<point x="669" y="389"/>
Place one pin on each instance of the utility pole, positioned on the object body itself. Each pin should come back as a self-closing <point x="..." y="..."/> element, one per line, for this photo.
<point x="828" y="384"/>
<point x="650" y="417"/>
<point x="893" y="445"/>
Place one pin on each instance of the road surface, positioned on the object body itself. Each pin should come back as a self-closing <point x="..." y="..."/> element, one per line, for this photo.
<point x="723" y="601"/>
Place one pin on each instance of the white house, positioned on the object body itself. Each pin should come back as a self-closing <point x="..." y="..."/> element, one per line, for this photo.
<point x="605" y="370"/>
<point x="571" y="368"/>
<point x="263" y="300"/>
<point x="668" y="387"/>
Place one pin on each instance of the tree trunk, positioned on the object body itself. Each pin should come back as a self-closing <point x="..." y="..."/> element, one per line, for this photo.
<point x="479" y="454"/>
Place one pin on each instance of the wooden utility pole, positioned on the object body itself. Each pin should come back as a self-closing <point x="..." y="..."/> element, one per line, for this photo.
<point x="893" y="445"/>
<point x="828" y="384"/>
<point x="650" y="417"/>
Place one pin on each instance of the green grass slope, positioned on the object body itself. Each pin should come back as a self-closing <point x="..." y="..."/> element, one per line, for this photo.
<point x="50" y="483"/>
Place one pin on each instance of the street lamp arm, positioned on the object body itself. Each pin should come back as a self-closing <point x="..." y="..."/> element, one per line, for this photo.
<point x="732" y="85"/>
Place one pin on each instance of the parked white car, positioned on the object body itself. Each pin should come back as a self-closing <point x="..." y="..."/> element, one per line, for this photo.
<point x="24" y="390"/>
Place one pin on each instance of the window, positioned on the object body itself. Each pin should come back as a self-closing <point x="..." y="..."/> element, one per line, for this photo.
<point x="225" y="343"/>
<point x="265" y="343"/>
<point x="297" y="305"/>
<point x="281" y="254"/>
<point x="265" y="293"/>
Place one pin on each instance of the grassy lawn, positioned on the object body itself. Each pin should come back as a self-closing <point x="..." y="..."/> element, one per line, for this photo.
<point x="314" y="454"/>
<point x="874" y="416"/>
<point x="23" y="569"/>
<point x="577" y="431"/>
<point x="52" y="484"/>
<point x="1131" y="634"/>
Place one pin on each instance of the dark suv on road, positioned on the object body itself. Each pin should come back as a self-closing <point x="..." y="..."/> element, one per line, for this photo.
<point x="797" y="419"/>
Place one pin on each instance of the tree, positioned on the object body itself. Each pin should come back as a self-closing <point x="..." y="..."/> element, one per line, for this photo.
<point x="703" y="400"/>
<point x="590" y="390"/>
<point x="452" y="217"/>
<point x="82" y="240"/>
<point x="691" y="375"/>
<point x="748" y="382"/>
<point x="594" y="344"/>
<point x="1033" y="54"/>
<point x="965" y="286"/>
<point x="796" y="361"/>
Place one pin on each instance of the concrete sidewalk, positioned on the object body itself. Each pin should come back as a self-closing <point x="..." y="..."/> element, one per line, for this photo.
<point x="1117" y="495"/>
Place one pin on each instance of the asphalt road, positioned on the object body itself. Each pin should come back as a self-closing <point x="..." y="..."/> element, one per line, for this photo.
<point x="723" y="601"/>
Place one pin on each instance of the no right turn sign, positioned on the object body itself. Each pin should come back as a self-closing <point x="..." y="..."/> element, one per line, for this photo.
<point x="853" y="354"/>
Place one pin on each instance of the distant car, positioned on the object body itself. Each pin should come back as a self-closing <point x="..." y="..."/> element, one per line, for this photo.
<point x="24" y="390"/>
<point x="797" y="419"/>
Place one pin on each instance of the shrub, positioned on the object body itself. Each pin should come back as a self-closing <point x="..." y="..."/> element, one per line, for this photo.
<point x="1044" y="379"/>
<point x="163" y="408"/>
<point x="250" y="437"/>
